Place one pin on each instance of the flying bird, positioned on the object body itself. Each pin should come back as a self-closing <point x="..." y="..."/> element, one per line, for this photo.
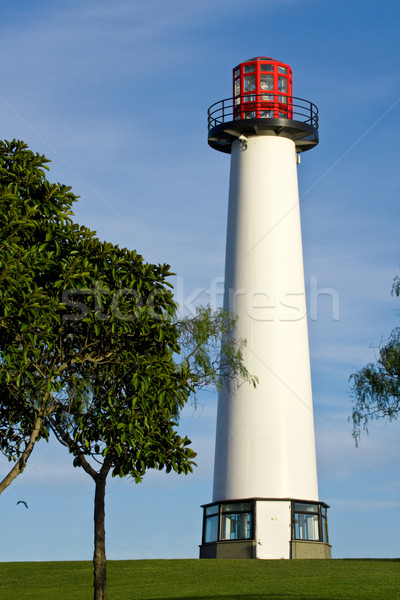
<point x="22" y="502"/>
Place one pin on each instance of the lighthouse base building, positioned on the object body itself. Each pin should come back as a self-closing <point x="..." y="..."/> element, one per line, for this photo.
<point x="265" y="498"/>
<point x="265" y="528"/>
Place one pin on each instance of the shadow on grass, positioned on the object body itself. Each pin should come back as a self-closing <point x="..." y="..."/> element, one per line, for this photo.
<point x="377" y="560"/>
<point x="262" y="596"/>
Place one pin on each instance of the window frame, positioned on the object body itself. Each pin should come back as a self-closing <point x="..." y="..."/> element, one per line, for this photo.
<point x="320" y="511"/>
<point x="222" y="512"/>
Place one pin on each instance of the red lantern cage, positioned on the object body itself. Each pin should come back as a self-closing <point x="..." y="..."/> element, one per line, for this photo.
<point x="262" y="88"/>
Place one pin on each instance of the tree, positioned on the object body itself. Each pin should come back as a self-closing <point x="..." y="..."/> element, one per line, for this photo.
<point x="376" y="387"/>
<point x="90" y="343"/>
<point x="36" y="232"/>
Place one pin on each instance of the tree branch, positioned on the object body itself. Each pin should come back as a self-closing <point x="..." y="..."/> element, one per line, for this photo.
<point x="21" y="462"/>
<point x="67" y="441"/>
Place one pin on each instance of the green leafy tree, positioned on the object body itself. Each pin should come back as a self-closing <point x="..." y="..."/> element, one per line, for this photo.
<point x="91" y="348"/>
<point x="376" y="387"/>
<point x="36" y="232"/>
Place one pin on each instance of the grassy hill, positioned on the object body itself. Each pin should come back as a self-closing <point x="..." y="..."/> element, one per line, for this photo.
<point x="206" y="580"/>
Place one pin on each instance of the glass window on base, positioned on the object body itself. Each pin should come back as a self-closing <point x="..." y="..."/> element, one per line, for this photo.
<point x="309" y="521"/>
<point x="324" y="525"/>
<point x="211" y="520"/>
<point x="228" y="521"/>
<point x="306" y="527"/>
<point x="211" y="532"/>
<point x="236" y="526"/>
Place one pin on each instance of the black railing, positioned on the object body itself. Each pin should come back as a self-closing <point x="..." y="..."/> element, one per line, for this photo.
<point x="231" y="109"/>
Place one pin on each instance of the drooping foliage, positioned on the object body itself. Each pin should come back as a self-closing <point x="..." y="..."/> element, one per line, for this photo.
<point x="376" y="387"/>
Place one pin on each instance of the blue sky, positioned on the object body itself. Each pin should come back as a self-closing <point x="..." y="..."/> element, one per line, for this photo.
<point x="116" y="94"/>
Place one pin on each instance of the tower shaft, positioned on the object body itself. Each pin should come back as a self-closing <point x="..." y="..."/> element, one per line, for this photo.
<point x="265" y="436"/>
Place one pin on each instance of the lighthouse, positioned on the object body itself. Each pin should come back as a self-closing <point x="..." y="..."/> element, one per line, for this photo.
<point x="265" y="500"/>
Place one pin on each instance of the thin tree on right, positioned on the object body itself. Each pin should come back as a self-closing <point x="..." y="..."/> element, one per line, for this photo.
<point x="376" y="387"/>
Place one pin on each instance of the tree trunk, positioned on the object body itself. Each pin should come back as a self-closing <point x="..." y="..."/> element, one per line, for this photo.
<point x="21" y="462"/>
<point x="99" y="556"/>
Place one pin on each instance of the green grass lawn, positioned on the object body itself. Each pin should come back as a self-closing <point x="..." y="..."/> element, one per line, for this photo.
<point x="206" y="580"/>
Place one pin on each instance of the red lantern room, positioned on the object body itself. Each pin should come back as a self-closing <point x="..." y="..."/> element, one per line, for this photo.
<point x="262" y="88"/>
<point x="262" y="104"/>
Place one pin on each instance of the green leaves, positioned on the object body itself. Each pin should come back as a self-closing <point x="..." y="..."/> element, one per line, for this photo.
<point x="376" y="387"/>
<point x="210" y="353"/>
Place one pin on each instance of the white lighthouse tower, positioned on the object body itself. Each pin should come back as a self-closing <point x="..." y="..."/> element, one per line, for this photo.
<point x="265" y="499"/>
